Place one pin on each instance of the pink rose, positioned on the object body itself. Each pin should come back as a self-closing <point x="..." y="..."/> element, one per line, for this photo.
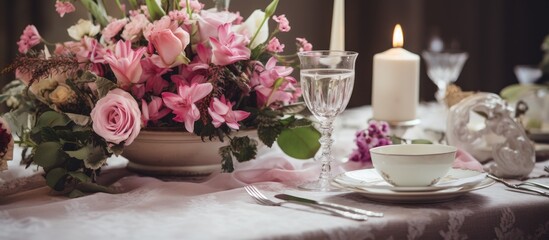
<point x="229" y="47"/>
<point x="112" y="29"/>
<point x="116" y="117"/>
<point x="134" y="29"/>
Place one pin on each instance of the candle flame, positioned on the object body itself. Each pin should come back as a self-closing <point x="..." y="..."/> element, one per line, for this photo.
<point x="398" y="37"/>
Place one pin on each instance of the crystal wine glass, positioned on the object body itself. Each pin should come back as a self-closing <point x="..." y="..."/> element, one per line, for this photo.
<point x="327" y="79"/>
<point x="527" y="74"/>
<point x="444" y="68"/>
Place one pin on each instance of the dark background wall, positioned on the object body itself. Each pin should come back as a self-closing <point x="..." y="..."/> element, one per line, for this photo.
<point x="497" y="34"/>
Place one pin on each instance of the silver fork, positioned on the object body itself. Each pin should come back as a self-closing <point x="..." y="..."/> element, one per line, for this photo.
<point x="263" y="200"/>
<point x="524" y="186"/>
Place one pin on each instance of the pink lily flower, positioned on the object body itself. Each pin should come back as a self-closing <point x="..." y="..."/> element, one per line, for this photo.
<point x="230" y="47"/>
<point x="152" y="77"/>
<point x="273" y="83"/>
<point x="125" y="63"/>
<point x="183" y="105"/>
<point x="152" y="111"/>
<point x="202" y="59"/>
<point x="221" y="112"/>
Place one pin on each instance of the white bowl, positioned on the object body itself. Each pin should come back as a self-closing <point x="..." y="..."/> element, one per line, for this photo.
<point x="413" y="165"/>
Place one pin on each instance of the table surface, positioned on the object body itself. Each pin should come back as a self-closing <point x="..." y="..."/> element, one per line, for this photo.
<point x="218" y="207"/>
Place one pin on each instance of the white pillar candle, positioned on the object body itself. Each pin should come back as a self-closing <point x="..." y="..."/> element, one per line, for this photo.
<point x="395" y="90"/>
<point x="337" y="36"/>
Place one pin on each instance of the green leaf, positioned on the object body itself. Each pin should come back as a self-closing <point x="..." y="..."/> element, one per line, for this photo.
<point x="299" y="142"/>
<point x="226" y="159"/>
<point x="80" y="176"/>
<point x="243" y="148"/>
<point x="55" y="178"/>
<point x="96" y="158"/>
<point x="48" y="154"/>
<point x="51" y="119"/>
<point x="268" y="135"/>
<point x="293" y="108"/>
<point x="421" y="141"/>
<point x="155" y="11"/>
<point x="48" y="134"/>
<point x="82" y="153"/>
<point x="97" y="11"/>
<point x="104" y="86"/>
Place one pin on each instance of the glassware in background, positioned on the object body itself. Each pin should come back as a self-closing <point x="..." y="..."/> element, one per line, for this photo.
<point x="444" y="68"/>
<point x="527" y="74"/>
<point x="327" y="79"/>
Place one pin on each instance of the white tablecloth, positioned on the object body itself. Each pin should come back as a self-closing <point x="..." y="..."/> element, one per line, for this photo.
<point x="219" y="208"/>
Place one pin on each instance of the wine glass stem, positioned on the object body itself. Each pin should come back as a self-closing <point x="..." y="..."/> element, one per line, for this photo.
<point x="326" y="157"/>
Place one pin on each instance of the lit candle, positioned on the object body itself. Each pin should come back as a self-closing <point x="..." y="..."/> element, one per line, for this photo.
<point x="395" y="90"/>
<point x="337" y="36"/>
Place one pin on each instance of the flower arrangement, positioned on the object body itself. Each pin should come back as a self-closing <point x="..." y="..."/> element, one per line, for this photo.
<point x="162" y="64"/>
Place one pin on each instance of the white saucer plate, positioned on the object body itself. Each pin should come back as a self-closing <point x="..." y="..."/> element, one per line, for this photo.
<point x="368" y="183"/>
<point x="370" y="180"/>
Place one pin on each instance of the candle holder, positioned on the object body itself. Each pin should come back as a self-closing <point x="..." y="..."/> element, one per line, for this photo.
<point x="399" y="128"/>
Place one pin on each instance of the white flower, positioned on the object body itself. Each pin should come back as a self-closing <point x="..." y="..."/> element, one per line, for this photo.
<point x="250" y="26"/>
<point x="62" y="94"/>
<point x="82" y="28"/>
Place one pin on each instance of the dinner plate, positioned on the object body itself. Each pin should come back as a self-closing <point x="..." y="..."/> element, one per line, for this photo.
<point x="370" y="180"/>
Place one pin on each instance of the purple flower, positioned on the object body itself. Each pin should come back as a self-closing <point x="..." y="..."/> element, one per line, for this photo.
<point x="377" y="134"/>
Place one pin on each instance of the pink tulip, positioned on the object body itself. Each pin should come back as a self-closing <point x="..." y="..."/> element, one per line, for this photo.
<point x="170" y="42"/>
<point x="116" y="117"/>
<point x="183" y="103"/>
<point x="28" y="39"/>
<point x="152" y="111"/>
<point x="125" y="63"/>
<point x="230" y="47"/>
<point x="64" y="7"/>
<point x="221" y="112"/>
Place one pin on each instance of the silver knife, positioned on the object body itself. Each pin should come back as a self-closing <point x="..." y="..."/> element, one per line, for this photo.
<point x="330" y="205"/>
